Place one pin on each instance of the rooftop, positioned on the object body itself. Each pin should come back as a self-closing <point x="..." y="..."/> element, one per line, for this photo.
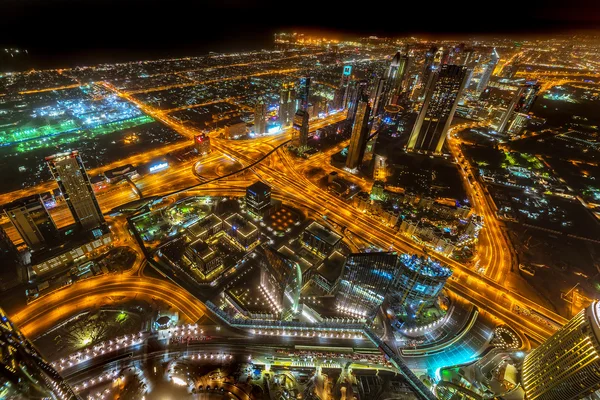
<point x="425" y="266"/>
<point x="324" y="234"/>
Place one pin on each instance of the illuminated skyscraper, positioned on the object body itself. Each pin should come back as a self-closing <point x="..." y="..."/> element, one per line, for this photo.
<point x="260" y="117"/>
<point x="376" y="94"/>
<point x="567" y="365"/>
<point x="300" y="131"/>
<point x="360" y="134"/>
<point x="394" y="78"/>
<point x="488" y="70"/>
<point x="31" y="219"/>
<point x="25" y="373"/>
<point x="430" y="129"/>
<point x="528" y="97"/>
<point x="345" y="85"/>
<point x="365" y="282"/>
<point x="280" y="279"/>
<point x="258" y="198"/>
<point x="429" y="66"/>
<point x="509" y="111"/>
<point x="360" y="89"/>
<point x="303" y="93"/>
<point x="287" y="107"/>
<point x="69" y="172"/>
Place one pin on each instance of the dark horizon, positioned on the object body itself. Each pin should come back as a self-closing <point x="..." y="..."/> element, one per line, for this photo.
<point x="66" y="33"/>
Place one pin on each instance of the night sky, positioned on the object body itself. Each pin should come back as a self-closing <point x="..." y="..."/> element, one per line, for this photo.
<point x="68" y="32"/>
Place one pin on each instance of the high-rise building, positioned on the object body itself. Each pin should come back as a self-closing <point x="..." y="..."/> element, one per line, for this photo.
<point x="303" y="93"/>
<point x="69" y="172"/>
<point x="379" y="168"/>
<point x="394" y="78"/>
<point x="432" y="124"/>
<point x="359" y="90"/>
<point x="429" y="67"/>
<point x="418" y="282"/>
<point x="508" y="114"/>
<point x="30" y="218"/>
<point x="260" y="117"/>
<point x="345" y="85"/>
<point x="300" y="131"/>
<point x="376" y="94"/>
<point x="287" y="105"/>
<point x="25" y="373"/>
<point x="488" y="71"/>
<point x="365" y="282"/>
<point x="360" y="134"/>
<point x="258" y="198"/>
<point x="567" y="365"/>
<point x="528" y="97"/>
<point x="202" y="144"/>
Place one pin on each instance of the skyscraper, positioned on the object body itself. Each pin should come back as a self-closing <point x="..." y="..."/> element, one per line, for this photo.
<point x="394" y="78"/>
<point x="345" y="85"/>
<point x="69" y="172"/>
<point x="300" y="131"/>
<point x="360" y="89"/>
<point x="377" y="93"/>
<point x="31" y="219"/>
<point x="432" y="124"/>
<point x="260" y="117"/>
<point x="286" y="104"/>
<point x="258" y="198"/>
<point x="567" y="365"/>
<point x="528" y="97"/>
<point x="365" y="282"/>
<point x="429" y="66"/>
<point x="360" y="134"/>
<point x="25" y="373"/>
<point x="488" y="70"/>
<point x="303" y="93"/>
<point x="509" y="111"/>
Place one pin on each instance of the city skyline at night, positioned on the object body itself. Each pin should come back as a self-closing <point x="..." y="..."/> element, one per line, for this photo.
<point x="219" y="201"/>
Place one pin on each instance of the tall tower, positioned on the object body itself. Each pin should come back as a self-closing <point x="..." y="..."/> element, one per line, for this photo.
<point x="359" y="90"/>
<point x="260" y="117"/>
<point x="429" y="67"/>
<point x="25" y="373"/>
<point x="30" y="218"/>
<point x="303" y="93"/>
<point x="69" y="172"/>
<point x="284" y="97"/>
<point x="300" y="129"/>
<point x="377" y="93"/>
<point x="394" y="78"/>
<point x="441" y="99"/>
<point x="510" y="110"/>
<point x="488" y="70"/>
<point x="360" y="134"/>
<point x="567" y="365"/>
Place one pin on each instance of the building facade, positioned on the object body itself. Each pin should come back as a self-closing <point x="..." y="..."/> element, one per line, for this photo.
<point x="360" y="134"/>
<point x="258" y="198"/>
<point x="69" y="172"/>
<point x="567" y="365"/>
<point x="31" y="219"/>
<point x="260" y="117"/>
<point x="432" y="124"/>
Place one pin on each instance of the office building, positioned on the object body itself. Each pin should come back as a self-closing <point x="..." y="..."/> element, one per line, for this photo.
<point x="303" y="93"/>
<point x="429" y="67"/>
<point x="202" y="144"/>
<point x="258" y="198"/>
<point x="69" y="172"/>
<point x="260" y="117"/>
<point x="243" y="232"/>
<point x="30" y="218"/>
<point x="234" y="129"/>
<point x="379" y="168"/>
<point x="567" y="365"/>
<point x="488" y="71"/>
<point x="365" y="283"/>
<point x="360" y="134"/>
<point x="345" y="85"/>
<point x="300" y="129"/>
<point x="376" y="95"/>
<point x="287" y="100"/>
<point x="529" y="94"/>
<point x="359" y="91"/>
<point x="432" y="124"/>
<point x="11" y="271"/>
<point x="519" y="122"/>
<point x="280" y="278"/>
<point x="510" y="110"/>
<point x="418" y="281"/>
<point x="394" y="78"/>
<point x="25" y="373"/>
<point x="320" y="240"/>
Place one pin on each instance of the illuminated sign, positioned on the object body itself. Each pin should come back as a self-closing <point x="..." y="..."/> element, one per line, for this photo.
<point x="159" y="167"/>
<point x="347" y="70"/>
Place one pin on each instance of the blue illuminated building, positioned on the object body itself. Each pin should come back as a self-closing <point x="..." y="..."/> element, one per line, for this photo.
<point x="419" y="281"/>
<point x="258" y="198"/>
<point x="365" y="283"/>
